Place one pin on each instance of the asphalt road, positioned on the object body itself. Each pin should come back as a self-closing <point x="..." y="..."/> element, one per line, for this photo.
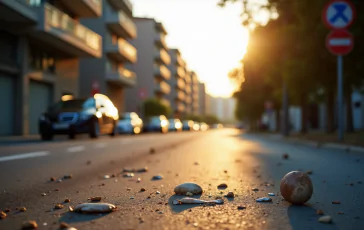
<point x="209" y="158"/>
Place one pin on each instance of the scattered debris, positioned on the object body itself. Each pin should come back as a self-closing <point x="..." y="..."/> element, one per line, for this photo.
<point x="190" y="187"/>
<point x="157" y="177"/>
<point x="128" y="175"/>
<point x="138" y="180"/>
<point x="359" y="182"/>
<point x="309" y="172"/>
<point x="96" y="198"/>
<point x="264" y="199"/>
<point x="151" y="150"/>
<point x="237" y="161"/>
<point x="88" y="162"/>
<point x="133" y="170"/>
<point x="160" y="212"/>
<point x="225" y="171"/>
<point x="44" y="194"/>
<point x="340" y="213"/>
<point x="296" y="187"/>
<point x="59" y="181"/>
<point x="95" y="208"/>
<point x="157" y="192"/>
<point x="132" y="198"/>
<point x="325" y="219"/>
<point x="31" y="224"/>
<point x="7" y="210"/>
<point x="189" y="194"/>
<point x="53" y="179"/>
<point x="271" y="194"/>
<point x="64" y="225"/>
<point x="241" y="207"/>
<point x="58" y="206"/>
<point x="188" y="200"/>
<point x="336" y="202"/>
<point x="285" y="156"/>
<point x="107" y="177"/>
<point x="196" y="163"/>
<point x="67" y="200"/>
<point x="68" y="176"/>
<point x="255" y="189"/>
<point x="2" y="215"/>
<point x="128" y="189"/>
<point x="23" y="209"/>
<point x="230" y="195"/>
<point x="222" y="186"/>
<point x="319" y="212"/>
<point x="142" y="190"/>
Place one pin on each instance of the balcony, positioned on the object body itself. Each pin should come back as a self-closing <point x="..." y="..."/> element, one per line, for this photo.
<point x="121" y="24"/>
<point x="180" y="72"/>
<point x="121" y="5"/>
<point x="122" y="77"/>
<point x="188" y="100"/>
<point x="180" y="84"/>
<point x="160" y="42"/>
<point x="180" y="107"/>
<point x="19" y="11"/>
<point x="188" y="89"/>
<point x="83" y="8"/>
<point x="180" y="61"/>
<point x="122" y="51"/>
<point x="163" y="88"/>
<point x="180" y="96"/>
<point x="162" y="72"/>
<point x="60" y="32"/>
<point x="163" y="57"/>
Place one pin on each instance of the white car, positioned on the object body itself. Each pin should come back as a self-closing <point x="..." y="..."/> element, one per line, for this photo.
<point x="130" y="123"/>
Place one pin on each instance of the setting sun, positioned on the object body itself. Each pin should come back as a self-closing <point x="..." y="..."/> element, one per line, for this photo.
<point x="211" y="39"/>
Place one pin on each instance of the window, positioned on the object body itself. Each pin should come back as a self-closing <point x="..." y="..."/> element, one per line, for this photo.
<point x="40" y="60"/>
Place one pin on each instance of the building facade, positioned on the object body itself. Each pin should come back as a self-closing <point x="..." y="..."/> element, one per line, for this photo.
<point x="188" y="91"/>
<point x="194" y="94"/>
<point x="41" y="44"/>
<point x="109" y="75"/>
<point x="177" y="82"/>
<point x="151" y="66"/>
<point x="202" y="99"/>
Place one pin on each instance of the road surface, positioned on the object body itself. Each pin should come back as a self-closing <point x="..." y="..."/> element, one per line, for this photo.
<point x="242" y="161"/>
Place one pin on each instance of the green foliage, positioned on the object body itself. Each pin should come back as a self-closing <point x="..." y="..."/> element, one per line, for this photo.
<point x="210" y="119"/>
<point x="154" y="107"/>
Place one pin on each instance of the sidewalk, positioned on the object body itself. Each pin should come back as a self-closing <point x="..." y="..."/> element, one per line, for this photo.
<point x="9" y="140"/>
<point x="354" y="142"/>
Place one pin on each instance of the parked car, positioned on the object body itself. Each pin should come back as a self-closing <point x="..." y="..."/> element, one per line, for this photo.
<point x="187" y="125"/>
<point x="196" y="126"/>
<point x="130" y="123"/>
<point x="175" y="125"/>
<point x="94" y="115"/>
<point x="203" y="126"/>
<point x="156" y="124"/>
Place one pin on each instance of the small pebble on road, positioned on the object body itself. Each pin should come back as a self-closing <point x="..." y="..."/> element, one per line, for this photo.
<point x="325" y="219"/>
<point x="31" y="224"/>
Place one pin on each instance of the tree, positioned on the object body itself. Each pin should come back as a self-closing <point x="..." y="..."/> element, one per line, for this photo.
<point x="154" y="107"/>
<point x="211" y="119"/>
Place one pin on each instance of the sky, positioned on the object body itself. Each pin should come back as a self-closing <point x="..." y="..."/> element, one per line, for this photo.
<point x="211" y="39"/>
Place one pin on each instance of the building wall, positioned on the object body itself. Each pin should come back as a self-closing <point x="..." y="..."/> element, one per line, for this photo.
<point x="202" y="99"/>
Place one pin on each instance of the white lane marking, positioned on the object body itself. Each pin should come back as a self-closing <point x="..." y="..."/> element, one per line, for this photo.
<point x="74" y="149"/>
<point x="100" y="145"/>
<point x="24" y="156"/>
<point x="340" y="42"/>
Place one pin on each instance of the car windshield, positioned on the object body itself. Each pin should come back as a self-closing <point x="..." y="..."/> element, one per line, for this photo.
<point x="74" y="104"/>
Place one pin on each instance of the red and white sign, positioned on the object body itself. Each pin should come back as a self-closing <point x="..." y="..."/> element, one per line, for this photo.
<point x="95" y="88"/>
<point x="142" y="93"/>
<point x="340" y="42"/>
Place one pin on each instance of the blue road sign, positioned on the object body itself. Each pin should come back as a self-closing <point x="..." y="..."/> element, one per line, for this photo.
<point x="339" y="14"/>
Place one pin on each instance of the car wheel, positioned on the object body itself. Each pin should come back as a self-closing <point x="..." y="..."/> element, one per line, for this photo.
<point x="114" y="130"/>
<point x="46" y="136"/>
<point x="95" y="129"/>
<point x="71" y="135"/>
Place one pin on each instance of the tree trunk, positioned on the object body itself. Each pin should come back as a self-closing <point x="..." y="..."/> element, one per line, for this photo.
<point x="349" y="110"/>
<point x="303" y="104"/>
<point x="330" y="110"/>
<point x="278" y="121"/>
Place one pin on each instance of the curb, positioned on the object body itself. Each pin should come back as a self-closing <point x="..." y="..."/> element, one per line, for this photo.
<point x="342" y="147"/>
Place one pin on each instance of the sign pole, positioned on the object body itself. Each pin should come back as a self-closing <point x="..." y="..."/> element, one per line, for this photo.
<point x="340" y="97"/>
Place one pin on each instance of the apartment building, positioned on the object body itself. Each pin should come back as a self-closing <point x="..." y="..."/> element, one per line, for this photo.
<point x="151" y="66"/>
<point x="41" y="43"/>
<point x="108" y="74"/>
<point x="188" y="91"/>
<point x="202" y="99"/>
<point x="177" y="95"/>
<point x="194" y="94"/>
